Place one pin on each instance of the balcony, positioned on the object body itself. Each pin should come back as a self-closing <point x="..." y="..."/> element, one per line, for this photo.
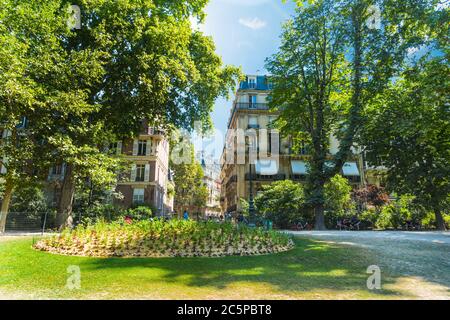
<point x="247" y="106"/>
<point x="251" y="106"/>
<point x="153" y="131"/>
<point x="259" y="177"/>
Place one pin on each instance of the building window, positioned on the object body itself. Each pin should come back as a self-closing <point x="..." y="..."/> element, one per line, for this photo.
<point x="142" y="147"/>
<point x="303" y="148"/>
<point x="138" y="196"/>
<point x="252" y="82"/>
<point x="253" y="122"/>
<point x="140" y="172"/>
<point x="272" y="120"/>
<point x="57" y="169"/>
<point x="252" y="101"/>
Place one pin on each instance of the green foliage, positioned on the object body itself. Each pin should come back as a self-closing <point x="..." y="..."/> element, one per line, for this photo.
<point x="100" y="211"/>
<point x="245" y="206"/>
<point x="159" y="238"/>
<point x="395" y="214"/>
<point x="331" y="65"/>
<point x="82" y="88"/>
<point x="429" y="220"/>
<point x="408" y="132"/>
<point x="190" y="190"/>
<point x="29" y="204"/>
<point x="171" y="191"/>
<point x="140" y="213"/>
<point x="370" y="215"/>
<point x="29" y="199"/>
<point x="338" y="196"/>
<point x="283" y="202"/>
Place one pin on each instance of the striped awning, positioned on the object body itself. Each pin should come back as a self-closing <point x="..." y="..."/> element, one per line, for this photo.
<point x="350" y="169"/>
<point x="266" y="167"/>
<point x="299" y="167"/>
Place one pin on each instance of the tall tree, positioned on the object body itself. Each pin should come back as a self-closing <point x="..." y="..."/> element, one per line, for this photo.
<point x="155" y="67"/>
<point x="190" y="191"/>
<point x="332" y="62"/>
<point x="59" y="115"/>
<point x="27" y="47"/>
<point x="131" y="60"/>
<point x="408" y="132"/>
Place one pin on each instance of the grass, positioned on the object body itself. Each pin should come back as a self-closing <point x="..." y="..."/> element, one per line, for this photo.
<point x="313" y="270"/>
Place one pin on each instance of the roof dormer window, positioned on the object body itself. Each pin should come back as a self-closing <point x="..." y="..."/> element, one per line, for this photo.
<point x="252" y="82"/>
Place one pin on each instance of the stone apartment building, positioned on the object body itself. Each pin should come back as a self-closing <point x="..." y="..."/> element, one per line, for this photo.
<point x="250" y="113"/>
<point x="148" y="179"/>
<point x="211" y="179"/>
<point x="146" y="182"/>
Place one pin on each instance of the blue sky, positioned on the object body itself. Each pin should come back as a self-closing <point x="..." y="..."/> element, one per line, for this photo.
<point x="246" y="32"/>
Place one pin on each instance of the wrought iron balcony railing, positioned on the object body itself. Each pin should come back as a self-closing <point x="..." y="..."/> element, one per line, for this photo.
<point x="260" y="177"/>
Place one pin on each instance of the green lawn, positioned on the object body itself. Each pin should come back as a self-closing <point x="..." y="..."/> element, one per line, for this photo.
<point x="312" y="270"/>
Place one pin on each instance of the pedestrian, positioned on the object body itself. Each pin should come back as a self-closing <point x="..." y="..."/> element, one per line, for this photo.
<point x="185" y="215"/>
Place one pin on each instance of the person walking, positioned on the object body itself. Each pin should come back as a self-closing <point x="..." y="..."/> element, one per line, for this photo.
<point x="185" y="215"/>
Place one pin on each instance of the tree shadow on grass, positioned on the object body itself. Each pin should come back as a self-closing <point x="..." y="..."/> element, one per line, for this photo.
<point x="310" y="266"/>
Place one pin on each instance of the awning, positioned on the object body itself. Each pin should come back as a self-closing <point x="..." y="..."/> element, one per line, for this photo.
<point x="350" y="169"/>
<point x="299" y="167"/>
<point x="266" y="167"/>
<point x="329" y="164"/>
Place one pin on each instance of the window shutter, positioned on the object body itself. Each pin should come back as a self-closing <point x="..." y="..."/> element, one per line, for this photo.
<point x="147" y="173"/>
<point x="119" y="147"/>
<point x="253" y="120"/>
<point x="50" y="173"/>
<point x="135" y="147"/>
<point x="63" y="171"/>
<point x="133" y="173"/>
<point x="149" y="147"/>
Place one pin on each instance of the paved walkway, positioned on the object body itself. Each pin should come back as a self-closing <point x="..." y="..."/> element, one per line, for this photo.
<point x="364" y="236"/>
<point x="419" y="254"/>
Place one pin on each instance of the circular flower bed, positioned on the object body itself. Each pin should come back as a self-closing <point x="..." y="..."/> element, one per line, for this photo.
<point x="175" y="238"/>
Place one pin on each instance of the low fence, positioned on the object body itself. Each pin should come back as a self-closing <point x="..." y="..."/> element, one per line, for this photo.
<point x="33" y="222"/>
<point x="29" y="221"/>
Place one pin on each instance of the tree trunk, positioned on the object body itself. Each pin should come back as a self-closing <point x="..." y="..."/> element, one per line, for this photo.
<point x="320" y="217"/>
<point x="64" y="218"/>
<point x="440" y="223"/>
<point x="7" y="195"/>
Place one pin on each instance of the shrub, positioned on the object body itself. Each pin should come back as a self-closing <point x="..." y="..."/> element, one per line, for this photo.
<point x="429" y="220"/>
<point x="370" y="195"/>
<point x="140" y="213"/>
<point x="395" y="214"/>
<point x="100" y="211"/>
<point x="338" y="201"/>
<point x="29" y="207"/>
<point x="370" y="216"/>
<point x="158" y="238"/>
<point x="283" y="202"/>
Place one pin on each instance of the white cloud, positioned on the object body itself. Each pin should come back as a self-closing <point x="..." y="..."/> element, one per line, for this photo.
<point x="254" y="23"/>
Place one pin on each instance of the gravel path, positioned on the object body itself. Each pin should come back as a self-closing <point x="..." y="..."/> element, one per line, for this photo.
<point x="423" y="255"/>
